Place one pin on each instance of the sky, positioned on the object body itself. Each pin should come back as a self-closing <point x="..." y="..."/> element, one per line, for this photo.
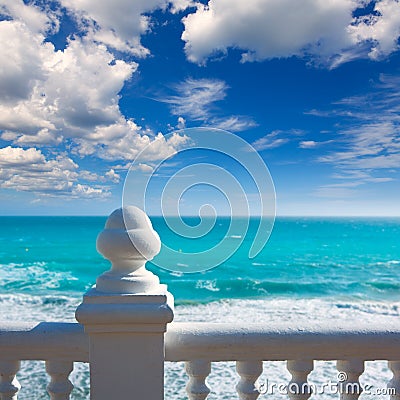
<point x="87" y="85"/>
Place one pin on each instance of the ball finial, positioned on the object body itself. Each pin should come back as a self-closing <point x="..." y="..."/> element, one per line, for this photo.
<point x="128" y="241"/>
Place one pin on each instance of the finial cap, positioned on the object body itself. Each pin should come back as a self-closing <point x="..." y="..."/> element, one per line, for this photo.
<point x="128" y="241"/>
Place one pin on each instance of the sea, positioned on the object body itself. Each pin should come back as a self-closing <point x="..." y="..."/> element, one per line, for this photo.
<point x="311" y="269"/>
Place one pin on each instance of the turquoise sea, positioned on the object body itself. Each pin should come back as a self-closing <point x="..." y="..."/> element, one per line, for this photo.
<point x="336" y="258"/>
<point x="311" y="268"/>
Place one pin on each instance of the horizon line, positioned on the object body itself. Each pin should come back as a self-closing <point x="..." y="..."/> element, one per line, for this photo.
<point x="210" y="216"/>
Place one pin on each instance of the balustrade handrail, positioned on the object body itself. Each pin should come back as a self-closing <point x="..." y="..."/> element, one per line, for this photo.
<point x="281" y="341"/>
<point x="215" y="341"/>
<point x="43" y="341"/>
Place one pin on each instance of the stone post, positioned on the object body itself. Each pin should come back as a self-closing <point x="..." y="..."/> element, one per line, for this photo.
<point x="126" y="312"/>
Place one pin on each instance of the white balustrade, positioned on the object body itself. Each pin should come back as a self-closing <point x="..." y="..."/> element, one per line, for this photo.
<point x="123" y="336"/>
<point x="60" y="387"/>
<point x="349" y="372"/>
<point x="197" y="370"/>
<point x="298" y="388"/>
<point x="394" y="383"/>
<point x="249" y="371"/>
<point x="9" y="385"/>
<point x="126" y="313"/>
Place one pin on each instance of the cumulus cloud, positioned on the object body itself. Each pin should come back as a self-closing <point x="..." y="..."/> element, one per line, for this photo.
<point x="68" y="99"/>
<point x="181" y="5"/>
<point x="382" y="29"/>
<point x="181" y="123"/>
<point x="125" y="140"/>
<point x="50" y="96"/>
<point x="119" y="24"/>
<point x="66" y="92"/>
<point x="28" y="170"/>
<point x="265" y="29"/>
<point x="47" y="95"/>
<point x="22" y="59"/>
<point x="32" y="16"/>
<point x="113" y="176"/>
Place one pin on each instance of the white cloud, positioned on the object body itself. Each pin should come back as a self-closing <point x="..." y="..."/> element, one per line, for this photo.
<point x="265" y="29"/>
<point x="49" y="93"/>
<point x="234" y="123"/>
<point x="143" y="168"/>
<point x="11" y="156"/>
<point x="270" y="141"/>
<point x="113" y="176"/>
<point x="308" y="144"/>
<point x="50" y="96"/>
<point x="32" y="16"/>
<point x="88" y="191"/>
<point x="29" y="171"/>
<point x="181" y="5"/>
<point x="368" y="146"/>
<point x="69" y="99"/>
<point x="370" y="143"/>
<point x="125" y="140"/>
<point x="181" y="123"/>
<point x="196" y="98"/>
<point x="89" y="176"/>
<point x="312" y="144"/>
<point x="42" y="137"/>
<point x="119" y="24"/>
<point x="381" y="29"/>
<point x="335" y="192"/>
<point x="22" y="60"/>
<point x="348" y="187"/>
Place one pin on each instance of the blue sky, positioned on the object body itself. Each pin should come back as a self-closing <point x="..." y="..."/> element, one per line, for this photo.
<point x="313" y="85"/>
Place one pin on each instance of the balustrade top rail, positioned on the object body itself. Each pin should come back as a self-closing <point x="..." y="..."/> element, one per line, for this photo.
<point x="215" y="342"/>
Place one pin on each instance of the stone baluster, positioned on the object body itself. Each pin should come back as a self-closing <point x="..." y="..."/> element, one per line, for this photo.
<point x="298" y="388"/>
<point x="9" y="385"/>
<point x="126" y="313"/>
<point x="197" y="370"/>
<point x="60" y="387"/>
<point x="249" y="371"/>
<point x="348" y="378"/>
<point x="394" y="383"/>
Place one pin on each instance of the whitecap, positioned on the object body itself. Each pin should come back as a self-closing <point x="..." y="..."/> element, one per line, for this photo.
<point x="182" y="265"/>
<point x="210" y="285"/>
